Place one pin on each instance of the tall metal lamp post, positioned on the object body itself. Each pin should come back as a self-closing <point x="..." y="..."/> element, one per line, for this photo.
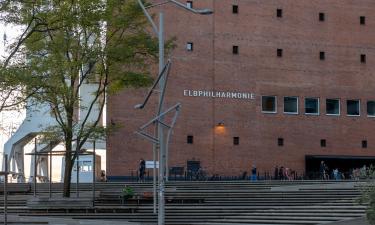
<point x="159" y="31"/>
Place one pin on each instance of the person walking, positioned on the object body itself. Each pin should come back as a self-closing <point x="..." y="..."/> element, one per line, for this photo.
<point x="142" y="169"/>
<point x="276" y="173"/>
<point x="254" y="173"/>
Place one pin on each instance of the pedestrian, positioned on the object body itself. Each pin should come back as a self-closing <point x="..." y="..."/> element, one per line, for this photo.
<point x="276" y="174"/>
<point x="281" y="173"/>
<point x="142" y="169"/>
<point x="254" y="173"/>
<point x="322" y="170"/>
<point x="336" y="174"/>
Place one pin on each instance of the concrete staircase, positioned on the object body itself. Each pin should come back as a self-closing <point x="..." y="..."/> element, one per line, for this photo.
<point x="216" y="202"/>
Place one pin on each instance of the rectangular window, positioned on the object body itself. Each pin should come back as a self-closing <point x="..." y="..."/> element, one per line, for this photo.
<point x="236" y="140"/>
<point x="279" y="52"/>
<point x="190" y="139"/>
<point x="321" y="17"/>
<point x="362" y="20"/>
<point x="322" y="55"/>
<point x="352" y="107"/>
<point x="364" y="144"/>
<point x="333" y="107"/>
<point x="312" y="106"/>
<point x="269" y="104"/>
<point x="280" y="141"/>
<point x="189" y="46"/>
<point x="235" y="9"/>
<point x="279" y="13"/>
<point x="235" y="50"/>
<point x="323" y="143"/>
<point x="363" y="58"/>
<point x="291" y="105"/>
<point x="189" y="4"/>
<point x="370" y="108"/>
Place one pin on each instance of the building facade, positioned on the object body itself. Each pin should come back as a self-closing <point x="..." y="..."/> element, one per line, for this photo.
<point x="265" y="83"/>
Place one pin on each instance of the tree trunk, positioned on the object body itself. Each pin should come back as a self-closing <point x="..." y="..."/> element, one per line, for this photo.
<point x="68" y="166"/>
<point x="67" y="175"/>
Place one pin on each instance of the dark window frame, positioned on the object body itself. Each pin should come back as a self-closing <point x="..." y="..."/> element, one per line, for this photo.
<point x="362" y="20"/>
<point x="318" y="106"/>
<point x="322" y="55"/>
<point x="275" y="105"/>
<point x="235" y="49"/>
<point x="190" y="139"/>
<point x="363" y="58"/>
<point x="322" y="17"/>
<point x="323" y="143"/>
<point x="333" y="114"/>
<point x="359" y="107"/>
<point x="367" y="108"/>
<point x="279" y="13"/>
<point x="236" y="140"/>
<point x="297" y="106"/>
<point x="235" y="9"/>
<point x="279" y="52"/>
<point x="280" y="142"/>
<point x="364" y="143"/>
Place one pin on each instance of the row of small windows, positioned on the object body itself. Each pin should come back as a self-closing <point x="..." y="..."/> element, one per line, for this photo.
<point x="279" y="13"/>
<point x="323" y="143"/>
<point x="280" y="141"/>
<point x="311" y="106"/>
<point x="279" y="52"/>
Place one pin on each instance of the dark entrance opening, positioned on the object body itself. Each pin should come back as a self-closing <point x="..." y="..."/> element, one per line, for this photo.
<point x="345" y="164"/>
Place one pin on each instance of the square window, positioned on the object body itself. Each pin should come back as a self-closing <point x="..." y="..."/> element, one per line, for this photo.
<point x="322" y="55"/>
<point x="323" y="143"/>
<point x="370" y="108"/>
<point x="280" y="141"/>
<point x="235" y="9"/>
<point x="363" y="58"/>
<point x="189" y="4"/>
<point x="235" y="50"/>
<point x="279" y="52"/>
<point x="353" y="107"/>
<point x="269" y="104"/>
<point x="312" y="106"/>
<point x="364" y="144"/>
<point x="189" y="46"/>
<point x="333" y="107"/>
<point x="291" y="105"/>
<point x="190" y="139"/>
<point x="321" y="16"/>
<point x="236" y="140"/>
<point x="362" y="20"/>
<point x="279" y="13"/>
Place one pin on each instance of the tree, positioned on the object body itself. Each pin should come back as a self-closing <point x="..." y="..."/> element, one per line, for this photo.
<point x="66" y="44"/>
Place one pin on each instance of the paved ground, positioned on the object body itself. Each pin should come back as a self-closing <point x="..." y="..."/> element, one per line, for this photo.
<point x="18" y="220"/>
<point x="359" y="221"/>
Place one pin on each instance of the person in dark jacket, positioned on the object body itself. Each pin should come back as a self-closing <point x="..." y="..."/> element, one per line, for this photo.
<point x="276" y="174"/>
<point x="142" y="169"/>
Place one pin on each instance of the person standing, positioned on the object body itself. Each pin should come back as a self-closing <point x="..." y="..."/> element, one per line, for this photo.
<point x="254" y="173"/>
<point x="142" y="169"/>
<point x="322" y="170"/>
<point x="276" y="173"/>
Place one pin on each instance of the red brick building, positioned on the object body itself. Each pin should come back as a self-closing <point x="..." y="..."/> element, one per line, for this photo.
<point x="301" y="81"/>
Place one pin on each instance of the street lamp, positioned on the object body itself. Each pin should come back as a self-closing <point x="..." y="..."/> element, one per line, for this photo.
<point x="159" y="31"/>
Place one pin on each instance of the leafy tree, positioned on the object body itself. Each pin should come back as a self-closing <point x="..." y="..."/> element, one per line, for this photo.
<point x="66" y="44"/>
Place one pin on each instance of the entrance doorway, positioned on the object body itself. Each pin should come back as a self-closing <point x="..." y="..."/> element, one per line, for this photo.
<point x="345" y="164"/>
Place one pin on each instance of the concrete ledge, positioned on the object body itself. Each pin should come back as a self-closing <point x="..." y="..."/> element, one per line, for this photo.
<point x="59" y="203"/>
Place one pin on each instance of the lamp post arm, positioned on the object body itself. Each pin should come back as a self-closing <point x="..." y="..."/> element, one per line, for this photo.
<point x="154" y="27"/>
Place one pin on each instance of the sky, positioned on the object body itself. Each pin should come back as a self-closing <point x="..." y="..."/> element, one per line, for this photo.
<point x="9" y="121"/>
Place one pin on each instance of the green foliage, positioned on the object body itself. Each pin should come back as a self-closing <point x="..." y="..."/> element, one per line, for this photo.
<point x="67" y="44"/>
<point x="127" y="192"/>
